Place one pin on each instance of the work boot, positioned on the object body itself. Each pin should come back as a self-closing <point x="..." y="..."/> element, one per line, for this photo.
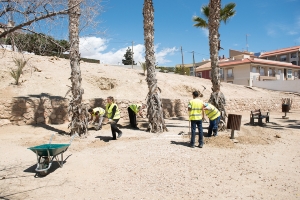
<point x="192" y="145"/>
<point x="119" y="134"/>
<point x="200" y="145"/>
<point x="98" y="128"/>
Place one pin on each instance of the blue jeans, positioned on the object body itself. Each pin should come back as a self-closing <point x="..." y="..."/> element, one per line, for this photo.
<point x="197" y="123"/>
<point x="213" y="126"/>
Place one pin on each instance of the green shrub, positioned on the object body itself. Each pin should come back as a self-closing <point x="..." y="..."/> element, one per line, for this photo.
<point x="144" y="67"/>
<point x="16" y="73"/>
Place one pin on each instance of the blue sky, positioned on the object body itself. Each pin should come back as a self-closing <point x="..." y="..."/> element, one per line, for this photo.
<point x="270" y="25"/>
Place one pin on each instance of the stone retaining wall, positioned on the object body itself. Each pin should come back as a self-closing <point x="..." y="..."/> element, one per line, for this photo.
<point x="53" y="110"/>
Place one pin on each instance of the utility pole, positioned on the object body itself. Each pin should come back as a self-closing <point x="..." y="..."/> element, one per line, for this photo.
<point x="182" y="61"/>
<point x="132" y="55"/>
<point x="194" y="71"/>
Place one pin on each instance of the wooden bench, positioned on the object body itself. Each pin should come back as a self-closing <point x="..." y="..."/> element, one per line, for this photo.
<point x="256" y="114"/>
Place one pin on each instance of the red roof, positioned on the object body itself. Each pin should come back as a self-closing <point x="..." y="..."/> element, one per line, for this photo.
<point x="247" y="61"/>
<point x="280" y="51"/>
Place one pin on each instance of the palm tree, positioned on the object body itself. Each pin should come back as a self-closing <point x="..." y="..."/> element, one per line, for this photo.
<point x="217" y="98"/>
<point x="225" y="14"/>
<point x="154" y="110"/>
<point x="78" y="111"/>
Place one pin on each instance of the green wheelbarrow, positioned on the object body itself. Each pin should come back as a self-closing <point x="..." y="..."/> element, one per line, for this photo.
<point x="46" y="153"/>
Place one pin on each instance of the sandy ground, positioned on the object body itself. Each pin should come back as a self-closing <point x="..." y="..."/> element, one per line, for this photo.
<point x="49" y="75"/>
<point x="260" y="163"/>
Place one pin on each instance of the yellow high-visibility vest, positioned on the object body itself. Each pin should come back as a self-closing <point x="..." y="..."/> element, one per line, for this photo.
<point x="101" y="111"/>
<point x="213" y="113"/>
<point x="109" y="108"/>
<point x="135" y="107"/>
<point x="196" y="106"/>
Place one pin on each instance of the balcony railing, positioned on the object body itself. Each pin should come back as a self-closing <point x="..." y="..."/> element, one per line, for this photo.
<point x="230" y="76"/>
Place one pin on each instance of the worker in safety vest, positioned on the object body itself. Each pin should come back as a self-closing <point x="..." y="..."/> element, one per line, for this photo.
<point x="214" y="116"/>
<point x="196" y="114"/>
<point x="113" y="115"/>
<point x="133" y="110"/>
<point x="97" y="116"/>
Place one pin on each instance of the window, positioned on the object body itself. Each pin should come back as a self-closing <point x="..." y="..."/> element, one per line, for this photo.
<point x="283" y="58"/>
<point x="221" y="73"/>
<point x="279" y="71"/>
<point x="254" y="69"/>
<point x="296" y="74"/>
<point x="294" y="63"/>
<point x="289" y="73"/>
<point x="229" y="73"/>
<point x="270" y="72"/>
<point x="293" y="55"/>
<point x="261" y="71"/>
<point x="199" y="74"/>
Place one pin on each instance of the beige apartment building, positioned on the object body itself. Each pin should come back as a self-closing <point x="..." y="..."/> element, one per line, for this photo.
<point x="289" y="55"/>
<point x="241" y="69"/>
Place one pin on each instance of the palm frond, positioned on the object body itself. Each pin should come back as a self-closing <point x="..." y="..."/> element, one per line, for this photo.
<point x="144" y="67"/>
<point x="227" y="12"/>
<point x="16" y="73"/>
<point x="205" y="11"/>
<point x="200" y="22"/>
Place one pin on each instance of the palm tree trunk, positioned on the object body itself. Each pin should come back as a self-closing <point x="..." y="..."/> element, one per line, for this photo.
<point x="217" y="98"/>
<point x="154" y="111"/>
<point x="77" y="110"/>
<point x="213" y="25"/>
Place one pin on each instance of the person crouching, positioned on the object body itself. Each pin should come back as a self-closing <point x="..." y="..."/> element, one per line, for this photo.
<point x="133" y="110"/>
<point x="214" y="116"/>
<point x="97" y="116"/>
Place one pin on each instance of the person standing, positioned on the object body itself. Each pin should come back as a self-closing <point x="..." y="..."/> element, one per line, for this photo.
<point x="196" y="114"/>
<point x="113" y="114"/>
<point x="133" y="110"/>
<point x="214" y="116"/>
<point x="97" y="116"/>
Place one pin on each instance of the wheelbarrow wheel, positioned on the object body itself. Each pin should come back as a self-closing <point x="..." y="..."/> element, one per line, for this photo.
<point x="43" y="164"/>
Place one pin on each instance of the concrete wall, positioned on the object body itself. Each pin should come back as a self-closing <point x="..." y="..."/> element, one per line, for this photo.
<point x="241" y="76"/>
<point x="279" y="85"/>
<point x="53" y="110"/>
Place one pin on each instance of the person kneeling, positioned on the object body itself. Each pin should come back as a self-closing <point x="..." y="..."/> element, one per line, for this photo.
<point x="97" y="116"/>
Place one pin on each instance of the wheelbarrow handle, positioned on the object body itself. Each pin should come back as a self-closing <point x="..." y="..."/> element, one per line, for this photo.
<point x="50" y="141"/>
<point x="73" y="136"/>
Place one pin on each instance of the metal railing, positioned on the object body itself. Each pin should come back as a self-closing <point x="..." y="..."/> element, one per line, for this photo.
<point x="230" y="76"/>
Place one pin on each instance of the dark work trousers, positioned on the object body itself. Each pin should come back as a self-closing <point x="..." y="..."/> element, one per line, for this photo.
<point x="197" y="123"/>
<point x="132" y="118"/>
<point x="114" y="128"/>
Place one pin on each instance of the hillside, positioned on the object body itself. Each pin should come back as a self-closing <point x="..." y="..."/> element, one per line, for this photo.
<point x="51" y="75"/>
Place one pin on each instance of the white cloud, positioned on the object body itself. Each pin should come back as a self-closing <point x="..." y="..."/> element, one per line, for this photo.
<point x="292" y="33"/>
<point x="205" y="31"/>
<point x="91" y="46"/>
<point x="161" y="55"/>
<point x="271" y="32"/>
<point x="96" y="48"/>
